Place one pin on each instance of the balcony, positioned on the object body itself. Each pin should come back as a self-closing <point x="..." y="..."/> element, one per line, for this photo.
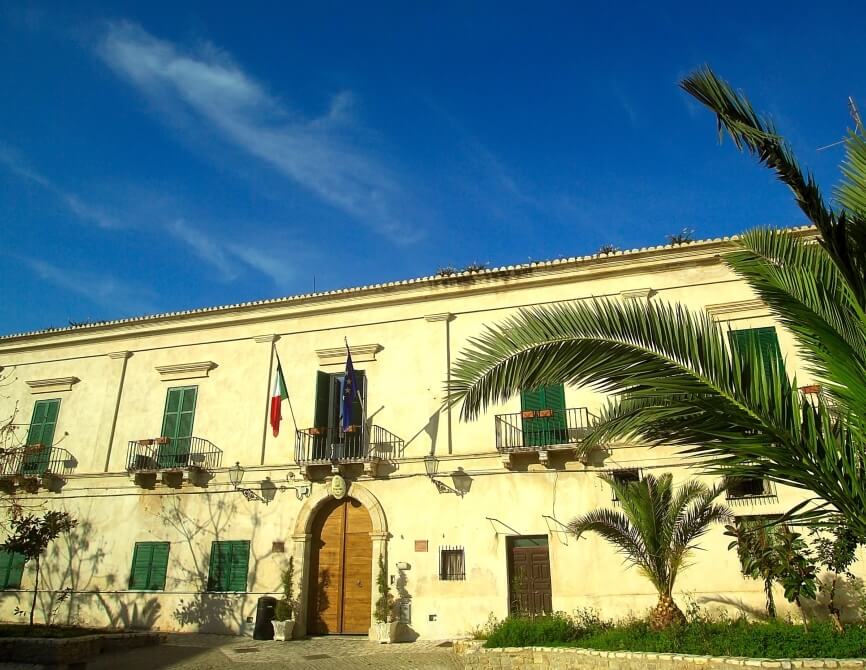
<point x="541" y="431"/>
<point x="332" y="447"/>
<point x="36" y="464"/>
<point x="172" y="458"/>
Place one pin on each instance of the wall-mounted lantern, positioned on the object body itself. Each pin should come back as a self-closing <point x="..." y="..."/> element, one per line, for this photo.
<point x="462" y="481"/>
<point x="236" y="477"/>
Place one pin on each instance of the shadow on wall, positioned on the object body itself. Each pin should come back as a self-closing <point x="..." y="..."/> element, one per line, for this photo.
<point x="405" y="632"/>
<point x="208" y="612"/>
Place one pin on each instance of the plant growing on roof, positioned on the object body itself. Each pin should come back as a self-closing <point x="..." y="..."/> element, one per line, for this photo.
<point x="674" y="377"/>
<point x="656" y="531"/>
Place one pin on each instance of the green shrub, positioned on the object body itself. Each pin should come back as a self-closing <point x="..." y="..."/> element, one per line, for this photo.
<point x="518" y="631"/>
<point x="703" y="636"/>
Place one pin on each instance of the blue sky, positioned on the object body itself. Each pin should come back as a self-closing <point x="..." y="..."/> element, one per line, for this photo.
<point x="157" y="157"/>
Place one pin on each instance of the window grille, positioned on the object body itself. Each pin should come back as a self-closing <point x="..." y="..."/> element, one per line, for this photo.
<point x="452" y="564"/>
<point x="740" y="488"/>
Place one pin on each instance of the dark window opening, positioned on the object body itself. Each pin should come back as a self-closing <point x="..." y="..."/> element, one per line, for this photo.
<point x="452" y="564"/>
<point x="625" y="476"/>
<point x="747" y="487"/>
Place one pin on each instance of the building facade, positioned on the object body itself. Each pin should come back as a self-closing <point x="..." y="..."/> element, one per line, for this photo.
<point x="154" y="433"/>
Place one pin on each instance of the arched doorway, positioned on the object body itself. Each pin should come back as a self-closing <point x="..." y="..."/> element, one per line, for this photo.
<point x="341" y="569"/>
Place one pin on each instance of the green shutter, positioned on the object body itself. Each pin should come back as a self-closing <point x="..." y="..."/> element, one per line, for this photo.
<point x="149" y="566"/>
<point x="229" y="565"/>
<point x="11" y="569"/>
<point x="544" y="431"/>
<point x="42" y="425"/>
<point x="177" y="424"/>
<point x="764" y="340"/>
<point x="323" y="399"/>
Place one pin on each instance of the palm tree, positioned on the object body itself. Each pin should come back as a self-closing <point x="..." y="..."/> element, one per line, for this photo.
<point x="674" y="378"/>
<point x="656" y="531"/>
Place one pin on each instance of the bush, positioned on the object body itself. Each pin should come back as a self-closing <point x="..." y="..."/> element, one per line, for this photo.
<point x="536" y="631"/>
<point x="703" y="636"/>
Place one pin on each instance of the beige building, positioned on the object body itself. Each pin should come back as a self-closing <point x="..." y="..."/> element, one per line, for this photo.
<point x="135" y="427"/>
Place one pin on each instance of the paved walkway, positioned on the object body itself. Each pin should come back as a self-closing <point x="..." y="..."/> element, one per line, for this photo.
<point x="218" y="652"/>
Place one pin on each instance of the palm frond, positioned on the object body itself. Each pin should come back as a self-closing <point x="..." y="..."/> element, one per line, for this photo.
<point x="844" y="239"/>
<point x="851" y="192"/>
<point x="617" y="529"/>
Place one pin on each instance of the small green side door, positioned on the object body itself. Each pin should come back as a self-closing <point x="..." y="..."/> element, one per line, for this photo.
<point x="177" y="425"/>
<point x="42" y="425"/>
<point x="543" y="416"/>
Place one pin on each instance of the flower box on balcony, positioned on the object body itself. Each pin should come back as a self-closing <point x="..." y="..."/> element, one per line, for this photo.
<point x="810" y="389"/>
<point x="527" y="414"/>
<point x="544" y="413"/>
<point x="352" y="429"/>
<point x="162" y="440"/>
<point x="317" y="431"/>
<point x="145" y="443"/>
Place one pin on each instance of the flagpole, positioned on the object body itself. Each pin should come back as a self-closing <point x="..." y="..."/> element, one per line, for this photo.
<point x="268" y="412"/>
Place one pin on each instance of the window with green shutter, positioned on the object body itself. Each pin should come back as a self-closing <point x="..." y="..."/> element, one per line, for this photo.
<point x="543" y="416"/>
<point x="177" y="422"/>
<point x="11" y="569"/>
<point x="149" y="566"/>
<point x="764" y="339"/>
<point x="229" y="564"/>
<point x="40" y="437"/>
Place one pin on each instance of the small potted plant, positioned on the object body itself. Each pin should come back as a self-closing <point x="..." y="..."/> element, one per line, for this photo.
<point x="386" y="622"/>
<point x="286" y="606"/>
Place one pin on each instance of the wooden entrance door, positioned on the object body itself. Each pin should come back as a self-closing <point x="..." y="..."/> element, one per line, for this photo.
<point x="529" y="586"/>
<point x="341" y="570"/>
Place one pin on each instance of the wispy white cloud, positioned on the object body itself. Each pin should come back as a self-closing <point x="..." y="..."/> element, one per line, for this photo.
<point x="205" y="247"/>
<point x="81" y="208"/>
<point x="106" y="291"/>
<point x="231" y="258"/>
<point x="319" y="154"/>
<point x="280" y="269"/>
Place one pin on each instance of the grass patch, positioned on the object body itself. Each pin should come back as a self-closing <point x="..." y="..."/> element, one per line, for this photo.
<point x="737" y="637"/>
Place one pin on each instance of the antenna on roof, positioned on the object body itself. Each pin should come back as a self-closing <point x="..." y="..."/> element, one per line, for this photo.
<point x="858" y="123"/>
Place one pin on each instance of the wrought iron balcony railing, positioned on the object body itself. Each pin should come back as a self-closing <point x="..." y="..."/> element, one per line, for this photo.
<point x="542" y="429"/>
<point x="36" y="460"/>
<point x="162" y="454"/>
<point x="331" y="445"/>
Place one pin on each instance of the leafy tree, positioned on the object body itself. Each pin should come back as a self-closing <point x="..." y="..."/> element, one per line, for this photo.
<point x="657" y="531"/>
<point x="774" y="553"/>
<point x="798" y="576"/>
<point x="675" y="379"/>
<point x="755" y="542"/>
<point x="835" y="551"/>
<point x="30" y="535"/>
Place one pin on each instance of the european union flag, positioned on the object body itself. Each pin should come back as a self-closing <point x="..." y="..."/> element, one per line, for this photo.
<point x="350" y="391"/>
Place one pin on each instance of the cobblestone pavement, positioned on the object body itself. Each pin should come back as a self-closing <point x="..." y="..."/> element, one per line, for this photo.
<point x="218" y="652"/>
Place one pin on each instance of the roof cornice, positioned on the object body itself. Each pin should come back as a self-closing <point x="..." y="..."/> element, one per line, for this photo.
<point x="644" y="259"/>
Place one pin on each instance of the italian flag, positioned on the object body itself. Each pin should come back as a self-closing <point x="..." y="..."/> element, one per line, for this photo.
<point x="277" y="396"/>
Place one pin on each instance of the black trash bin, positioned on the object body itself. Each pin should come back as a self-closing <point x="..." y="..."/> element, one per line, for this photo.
<point x="264" y="629"/>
